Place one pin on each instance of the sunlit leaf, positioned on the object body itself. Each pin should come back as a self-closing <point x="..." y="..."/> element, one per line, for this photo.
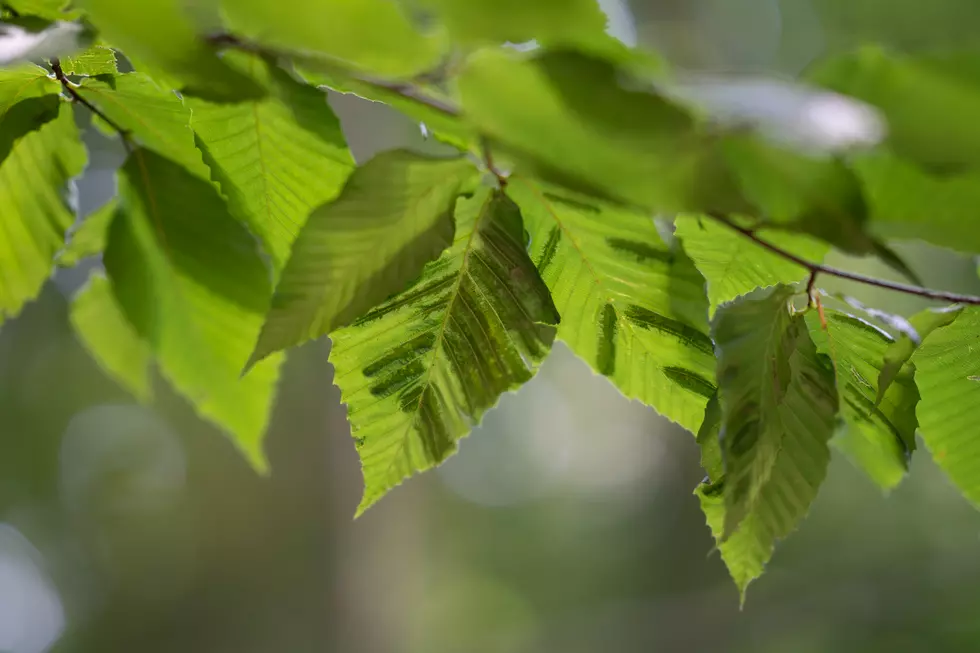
<point x="110" y="338"/>
<point x="947" y="371"/>
<point x="275" y="158"/>
<point x="631" y="307"/>
<point x="393" y="216"/>
<point x="47" y="9"/>
<point x="88" y="237"/>
<point x="419" y="371"/>
<point x="189" y="278"/>
<point x="97" y="60"/>
<point x="36" y="211"/>
<point x="28" y="100"/>
<point x="878" y="437"/>
<point x="900" y="351"/>
<point x="733" y="265"/>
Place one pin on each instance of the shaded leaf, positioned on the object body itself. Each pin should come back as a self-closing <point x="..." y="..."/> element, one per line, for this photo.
<point x="947" y="371"/>
<point x="631" y="307"/>
<point x="47" y="9"/>
<point x="394" y="215"/>
<point x="419" y="371"/>
<point x="275" y="158"/>
<point x="900" y="351"/>
<point x="110" y="338"/>
<point x="733" y="265"/>
<point x="161" y="33"/>
<point x="88" y="238"/>
<point x="878" y="437"/>
<point x="28" y="100"/>
<point x="189" y="278"/>
<point x="36" y="210"/>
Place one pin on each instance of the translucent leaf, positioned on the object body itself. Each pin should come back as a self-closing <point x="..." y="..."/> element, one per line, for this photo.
<point x="733" y="265"/>
<point x="47" y="9"/>
<point x="28" y="100"/>
<point x="88" y="238"/>
<point x="393" y="216"/>
<point x="947" y="371"/>
<point x="36" y="210"/>
<point x="900" y="351"/>
<point x="161" y="33"/>
<point x="419" y="371"/>
<point x="631" y="307"/>
<point x="371" y="35"/>
<point x="155" y="117"/>
<point x="878" y="437"/>
<point x="779" y="409"/>
<point x="97" y="60"/>
<point x="189" y="278"/>
<point x="275" y="158"/>
<point x="19" y="45"/>
<point x="110" y="338"/>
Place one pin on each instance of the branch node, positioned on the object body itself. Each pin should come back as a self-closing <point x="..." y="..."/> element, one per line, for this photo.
<point x="77" y="97"/>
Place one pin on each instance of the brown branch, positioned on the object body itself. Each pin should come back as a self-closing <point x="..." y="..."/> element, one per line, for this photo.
<point x="818" y="268"/>
<point x="77" y="97"/>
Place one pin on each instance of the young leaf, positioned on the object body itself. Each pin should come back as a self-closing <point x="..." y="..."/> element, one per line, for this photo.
<point x="159" y="32"/>
<point x="779" y="409"/>
<point x="36" y="210"/>
<point x="275" y="158"/>
<point x="28" y="100"/>
<point x="110" y="338"/>
<point x="394" y="215"/>
<point x="632" y="308"/>
<point x="419" y="371"/>
<point x="900" y="352"/>
<point x="374" y="36"/>
<point x="947" y="371"/>
<point x="733" y="265"/>
<point x="878" y="437"/>
<point x="189" y="278"/>
<point x="88" y="238"/>
<point x="155" y="117"/>
<point x="97" y="60"/>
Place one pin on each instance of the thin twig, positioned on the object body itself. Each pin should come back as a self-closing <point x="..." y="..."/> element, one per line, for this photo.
<point x="488" y="161"/>
<point x="76" y="97"/>
<point x="818" y="268"/>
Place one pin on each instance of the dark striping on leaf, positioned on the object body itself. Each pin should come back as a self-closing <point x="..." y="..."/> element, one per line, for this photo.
<point x="409" y="297"/>
<point x="402" y="354"/>
<point x="690" y="381"/>
<point x="606" y="344"/>
<point x="643" y="252"/>
<point x="715" y="489"/>
<point x="550" y="248"/>
<point x="745" y="438"/>
<point x="646" y="319"/>
<point x="402" y="377"/>
<point x="866" y="410"/>
<point x="572" y="203"/>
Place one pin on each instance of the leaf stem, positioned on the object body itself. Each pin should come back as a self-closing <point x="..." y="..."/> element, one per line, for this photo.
<point x="819" y="268"/>
<point x="77" y="97"/>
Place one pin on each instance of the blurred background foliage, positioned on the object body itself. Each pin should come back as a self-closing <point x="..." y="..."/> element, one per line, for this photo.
<point x="566" y="523"/>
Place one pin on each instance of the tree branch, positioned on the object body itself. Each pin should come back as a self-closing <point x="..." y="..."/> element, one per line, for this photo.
<point x="818" y="268"/>
<point x="77" y="97"/>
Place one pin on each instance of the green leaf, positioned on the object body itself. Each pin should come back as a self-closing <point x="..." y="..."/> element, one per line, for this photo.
<point x="28" y="100"/>
<point x="110" y="338"/>
<point x="878" y="437"/>
<point x="900" y="351"/>
<point x="733" y="265"/>
<point x="97" y="60"/>
<point x="161" y="33"/>
<point x="930" y="107"/>
<point x="36" y="210"/>
<point x="88" y="238"/>
<point x="631" y="307"/>
<point x="191" y="281"/>
<point x="275" y="158"/>
<point x="394" y="215"/>
<point x="569" y="118"/>
<point x="47" y="9"/>
<point x="155" y="117"/>
<point x="419" y="371"/>
<point x="779" y="408"/>
<point x="374" y="36"/>
<point x="947" y="371"/>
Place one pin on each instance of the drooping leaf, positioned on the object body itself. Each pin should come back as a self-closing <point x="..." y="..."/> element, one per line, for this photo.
<point x="35" y="207"/>
<point x="88" y="238"/>
<point x="374" y="36"/>
<point x="568" y="117"/>
<point x="733" y="265"/>
<point x="275" y="158"/>
<point x="155" y="117"/>
<point x="779" y="408"/>
<point x="898" y="353"/>
<point x="97" y="60"/>
<point x="189" y="278"/>
<point x="947" y="372"/>
<point x="160" y="32"/>
<point x="632" y="308"/>
<point x="878" y="437"/>
<point x="110" y="338"/>
<point x="393" y="216"/>
<point x="419" y="371"/>
<point x="19" y="45"/>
